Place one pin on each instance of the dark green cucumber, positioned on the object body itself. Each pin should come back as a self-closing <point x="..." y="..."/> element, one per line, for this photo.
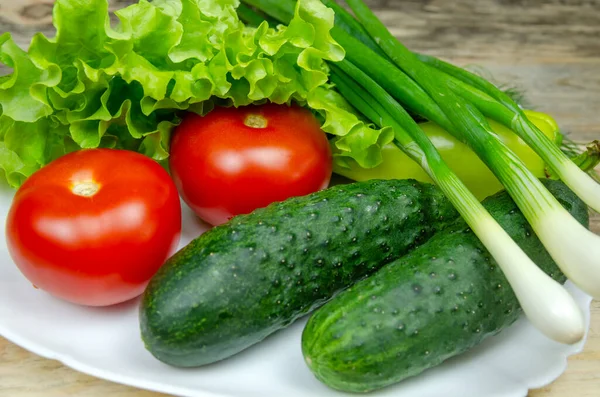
<point x="438" y="301"/>
<point x="240" y="282"/>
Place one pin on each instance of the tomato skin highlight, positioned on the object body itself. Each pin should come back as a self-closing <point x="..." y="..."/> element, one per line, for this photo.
<point x="233" y="161"/>
<point x="94" y="226"/>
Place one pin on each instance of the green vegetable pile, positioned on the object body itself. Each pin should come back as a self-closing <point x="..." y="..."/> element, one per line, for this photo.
<point x="126" y="86"/>
<point x="431" y="256"/>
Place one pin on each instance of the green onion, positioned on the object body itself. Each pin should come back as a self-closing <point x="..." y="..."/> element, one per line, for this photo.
<point x="281" y="10"/>
<point x="345" y="21"/>
<point x="575" y="249"/>
<point x="502" y="107"/>
<point x="253" y="18"/>
<point x="576" y="178"/>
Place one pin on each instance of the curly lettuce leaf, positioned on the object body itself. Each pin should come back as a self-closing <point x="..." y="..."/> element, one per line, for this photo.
<point x="23" y="94"/>
<point x="353" y="137"/>
<point x="128" y="85"/>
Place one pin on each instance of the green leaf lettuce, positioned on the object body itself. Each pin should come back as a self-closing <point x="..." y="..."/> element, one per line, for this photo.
<point x="127" y="86"/>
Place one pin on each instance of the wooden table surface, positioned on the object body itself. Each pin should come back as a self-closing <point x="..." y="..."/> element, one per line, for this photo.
<point x="548" y="48"/>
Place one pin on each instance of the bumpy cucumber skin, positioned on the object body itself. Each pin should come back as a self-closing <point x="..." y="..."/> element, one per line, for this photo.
<point x="439" y="301"/>
<point x="242" y="281"/>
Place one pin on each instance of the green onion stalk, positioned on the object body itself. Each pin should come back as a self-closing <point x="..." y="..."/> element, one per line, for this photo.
<point x="507" y="112"/>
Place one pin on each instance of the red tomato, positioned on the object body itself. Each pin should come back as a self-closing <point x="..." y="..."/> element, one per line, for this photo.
<point x="94" y="226"/>
<point x="233" y="161"/>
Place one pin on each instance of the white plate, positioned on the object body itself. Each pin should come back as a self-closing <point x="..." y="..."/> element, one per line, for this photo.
<point x="105" y="343"/>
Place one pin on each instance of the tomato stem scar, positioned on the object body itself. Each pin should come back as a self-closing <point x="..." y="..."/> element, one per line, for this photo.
<point x="85" y="189"/>
<point x="255" y="121"/>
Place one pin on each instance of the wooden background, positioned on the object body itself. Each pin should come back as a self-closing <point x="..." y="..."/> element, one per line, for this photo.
<point x="548" y="48"/>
